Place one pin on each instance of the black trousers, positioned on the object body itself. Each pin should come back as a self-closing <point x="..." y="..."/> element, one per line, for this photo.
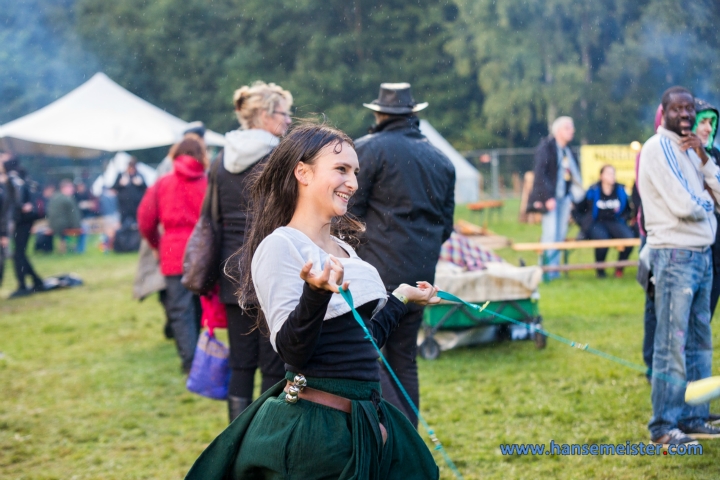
<point x="184" y="313"/>
<point x="605" y="230"/>
<point x="400" y="351"/>
<point x="249" y="349"/>
<point x="23" y="268"/>
<point x="715" y="291"/>
<point x="3" y="255"/>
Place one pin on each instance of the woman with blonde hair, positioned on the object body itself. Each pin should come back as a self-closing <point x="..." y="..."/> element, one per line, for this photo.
<point x="263" y="110"/>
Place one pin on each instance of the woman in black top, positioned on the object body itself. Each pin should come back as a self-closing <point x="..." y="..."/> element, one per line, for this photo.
<point x="328" y="420"/>
<point x="607" y="205"/>
<point x="263" y="112"/>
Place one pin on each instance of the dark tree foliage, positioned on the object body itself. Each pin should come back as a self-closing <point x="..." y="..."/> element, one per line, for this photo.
<point x="41" y="57"/>
<point x="190" y="56"/>
<point x="495" y="72"/>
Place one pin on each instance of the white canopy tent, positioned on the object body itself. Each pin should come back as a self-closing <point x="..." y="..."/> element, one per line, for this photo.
<point x="98" y="116"/>
<point x="467" y="178"/>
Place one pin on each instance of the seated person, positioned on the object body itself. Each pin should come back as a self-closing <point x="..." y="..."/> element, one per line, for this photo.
<point x="64" y="214"/>
<point x="606" y="207"/>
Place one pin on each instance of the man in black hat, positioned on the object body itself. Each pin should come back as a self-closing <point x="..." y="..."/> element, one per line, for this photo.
<point x="406" y="197"/>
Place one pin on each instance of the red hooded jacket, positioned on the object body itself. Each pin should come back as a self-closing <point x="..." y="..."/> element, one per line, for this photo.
<point x="175" y="202"/>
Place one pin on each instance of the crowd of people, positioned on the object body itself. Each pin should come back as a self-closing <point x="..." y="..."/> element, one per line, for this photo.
<point x="302" y="212"/>
<point x="290" y="209"/>
<point x="674" y="209"/>
<point x="603" y="211"/>
<point x="60" y="217"/>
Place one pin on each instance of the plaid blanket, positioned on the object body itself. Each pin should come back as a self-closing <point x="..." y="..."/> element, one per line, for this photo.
<point x="459" y="250"/>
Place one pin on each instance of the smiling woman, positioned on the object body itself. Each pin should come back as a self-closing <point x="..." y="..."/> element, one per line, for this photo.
<point x="331" y="402"/>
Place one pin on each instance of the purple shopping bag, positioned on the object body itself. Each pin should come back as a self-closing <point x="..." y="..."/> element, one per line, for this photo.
<point x="210" y="372"/>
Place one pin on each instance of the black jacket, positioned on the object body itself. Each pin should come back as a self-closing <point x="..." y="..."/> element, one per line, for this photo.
<point x="233" y="197"/>
<point x="5" y="209"/>
<point x="545" y="169"/>
<point x="130" y="191"/>
<point x="406" y="197"/>
<point x="22" y="191"/>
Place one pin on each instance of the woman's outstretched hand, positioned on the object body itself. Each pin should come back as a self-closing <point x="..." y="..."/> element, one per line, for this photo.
<point x="424" y="294"/>
<point x="328" y="279"/>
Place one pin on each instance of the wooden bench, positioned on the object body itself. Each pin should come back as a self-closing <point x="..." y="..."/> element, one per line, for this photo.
<point x="94" y="225"/>
<point x="486" y="208"/>
<point x="541" y="248"/>
<point x="481" y="235"/>
<point x="67" y="233"/>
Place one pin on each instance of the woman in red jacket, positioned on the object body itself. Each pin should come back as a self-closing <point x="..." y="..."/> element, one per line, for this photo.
<point x="175" y="202"/>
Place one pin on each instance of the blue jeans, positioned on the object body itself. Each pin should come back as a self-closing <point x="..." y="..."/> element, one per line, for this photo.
<point x="554" y="229"/>
<point x="683" y="343"/>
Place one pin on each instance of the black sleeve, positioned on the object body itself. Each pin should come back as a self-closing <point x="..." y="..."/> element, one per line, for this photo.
<point x="384" y="322"/>
<point x="449" y="209"/>
<point x="298" y="337"/>
<point x="116" y="185"/>
<point x="4" y="212"/>
<point x="542" y="186"/>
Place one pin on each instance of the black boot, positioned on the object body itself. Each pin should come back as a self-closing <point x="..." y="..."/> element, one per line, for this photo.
<point x="236" y="405"/>
<point x="168" y="331"/>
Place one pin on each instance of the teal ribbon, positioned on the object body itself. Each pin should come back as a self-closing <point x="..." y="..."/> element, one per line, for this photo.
<point x="431" y="433"/>
<point x="581" y="346"/>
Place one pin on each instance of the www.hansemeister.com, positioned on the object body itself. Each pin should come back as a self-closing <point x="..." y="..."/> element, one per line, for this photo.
<point x="598" y="449"/>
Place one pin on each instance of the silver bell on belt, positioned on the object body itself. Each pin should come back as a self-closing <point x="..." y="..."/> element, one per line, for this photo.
<point x="292" y="394"/>
<point x="300" y="381"/>
<point x="294" y="389"/>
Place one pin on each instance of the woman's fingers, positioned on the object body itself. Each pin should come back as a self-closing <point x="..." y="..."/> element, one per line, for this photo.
<point x="327" y="269"/>
<point x="329" y="278"/>
<point x="305" y="270"/>
<point x="338" y="268"/>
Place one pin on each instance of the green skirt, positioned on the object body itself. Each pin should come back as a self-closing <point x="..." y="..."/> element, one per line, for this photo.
<point x="273" y="439"/>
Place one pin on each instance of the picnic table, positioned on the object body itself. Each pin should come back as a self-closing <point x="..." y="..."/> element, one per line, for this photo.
<point x="486" y="208"/>
<point x="569" y="245"/>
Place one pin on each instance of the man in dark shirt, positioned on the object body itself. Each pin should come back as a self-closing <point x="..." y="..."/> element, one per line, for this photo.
<point x="25" y="210"/>
<point x="406" y="197"/>
<point x="5" y="198"/>
<point x="130" y="187"/>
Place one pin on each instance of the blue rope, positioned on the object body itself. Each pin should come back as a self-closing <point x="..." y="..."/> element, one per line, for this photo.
<point x="438" y="446"/>
<point x="581" y="346"/>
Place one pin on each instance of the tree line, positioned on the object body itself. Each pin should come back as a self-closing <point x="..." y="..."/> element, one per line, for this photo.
<point x="495" y="72"/>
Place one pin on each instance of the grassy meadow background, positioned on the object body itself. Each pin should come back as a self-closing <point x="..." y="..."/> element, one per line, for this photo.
<point x="89" y="387"/>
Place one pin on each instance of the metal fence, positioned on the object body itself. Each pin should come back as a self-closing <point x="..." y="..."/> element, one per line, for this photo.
<point x="502" y="169"/>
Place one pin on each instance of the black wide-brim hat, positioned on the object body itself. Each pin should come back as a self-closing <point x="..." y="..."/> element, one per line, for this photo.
<point x="395" y="99"/>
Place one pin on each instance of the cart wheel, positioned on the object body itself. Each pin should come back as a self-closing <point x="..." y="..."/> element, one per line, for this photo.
<point x="429" y="349"/>
<point x="539" y="338"/>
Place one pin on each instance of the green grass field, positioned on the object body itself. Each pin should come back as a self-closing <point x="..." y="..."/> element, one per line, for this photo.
<point x="89" y="387"/>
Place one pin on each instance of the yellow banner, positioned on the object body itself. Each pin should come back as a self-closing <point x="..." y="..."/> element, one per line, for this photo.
<point x="594" y="157"/>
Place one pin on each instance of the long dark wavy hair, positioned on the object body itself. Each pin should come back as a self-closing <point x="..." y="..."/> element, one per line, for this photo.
<point x="274" y="195"/>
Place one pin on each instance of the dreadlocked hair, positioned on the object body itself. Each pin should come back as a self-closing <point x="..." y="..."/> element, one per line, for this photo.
<point x="273" y="200"/>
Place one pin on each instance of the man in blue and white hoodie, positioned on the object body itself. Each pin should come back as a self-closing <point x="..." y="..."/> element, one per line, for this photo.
<point x="680" y="224"/>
